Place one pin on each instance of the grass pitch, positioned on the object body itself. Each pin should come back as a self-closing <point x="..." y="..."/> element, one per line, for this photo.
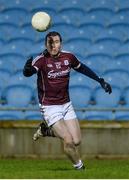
<point x="62" y="169"/>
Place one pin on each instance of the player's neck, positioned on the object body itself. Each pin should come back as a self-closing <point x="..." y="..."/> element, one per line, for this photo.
<point x="55" y="56"/>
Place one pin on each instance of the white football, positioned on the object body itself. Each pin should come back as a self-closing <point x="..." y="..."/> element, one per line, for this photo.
<point x="41" y="21"/>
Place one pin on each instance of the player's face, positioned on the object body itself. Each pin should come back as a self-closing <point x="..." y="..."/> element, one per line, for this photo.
<point x="53" y="45"/>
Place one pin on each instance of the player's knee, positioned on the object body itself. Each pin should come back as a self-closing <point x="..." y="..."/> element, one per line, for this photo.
<point x="68" y="143"/>
<point x="77" y="141"/>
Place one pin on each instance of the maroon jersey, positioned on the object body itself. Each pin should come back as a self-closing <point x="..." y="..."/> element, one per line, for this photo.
<point x="53" y="77"/>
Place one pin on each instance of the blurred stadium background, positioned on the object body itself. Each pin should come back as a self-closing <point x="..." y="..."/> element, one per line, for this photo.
<point x="97" y="32"/>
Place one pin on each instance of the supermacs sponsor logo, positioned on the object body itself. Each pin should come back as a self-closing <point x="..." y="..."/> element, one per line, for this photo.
<point x="52" y="74"/>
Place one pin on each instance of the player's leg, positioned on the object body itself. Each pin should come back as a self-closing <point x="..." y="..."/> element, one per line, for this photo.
<point x="62" y="131"/>
<point x="74" y="128"/>
<point x="72" y="124"/>
<point x="53" y="115"/>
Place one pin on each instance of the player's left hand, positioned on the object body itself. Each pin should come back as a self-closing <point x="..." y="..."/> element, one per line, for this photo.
<point x="106" y="86"/>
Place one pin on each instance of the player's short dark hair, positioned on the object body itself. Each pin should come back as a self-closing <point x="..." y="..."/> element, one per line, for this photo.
<point x="53" y="33"/>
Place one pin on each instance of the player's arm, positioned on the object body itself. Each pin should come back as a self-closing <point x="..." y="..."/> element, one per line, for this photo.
<point x="28" y="69"/>
<point x="82" y="68"/>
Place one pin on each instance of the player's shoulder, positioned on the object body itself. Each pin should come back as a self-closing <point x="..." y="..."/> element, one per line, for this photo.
<point x="38" y="58"/>
<point x="67" y="53"/>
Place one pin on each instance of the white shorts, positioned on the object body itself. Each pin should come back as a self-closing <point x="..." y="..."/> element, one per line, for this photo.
<point x="54" y="113"/>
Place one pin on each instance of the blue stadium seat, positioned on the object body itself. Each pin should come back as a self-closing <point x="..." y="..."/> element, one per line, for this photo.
<point x="15" y="31"/>
<point x="120" y="17"/>
<point x="110" y="43"/>
<point x="26" y="21"/>
<point x="101" y="16"/>
<point x="0" y="96"/>
<point x="125" y="96"/>
<point x="127" y="35"/>
<point x="33" y="115"/>
<point x="98" y="16"/>
<point x="108" y="33"/>
<point x="16" y="14"/>
<point x="6" y="18"/>
<point x="98" y="115"/>
<point x="36" y="49"/>
<point x="122" y="61"/>
<point x="64" y="29"/>
<point x="98" y="50"/>
<point x="118" y="65"/>
<point x="104" y="4"/>
<point x="99" y="62"/>
<point x="11" y="115"/>
<point x="19" y="45"/>
<point x="2" y="42"/>
<point x="72" y="15"/>
<point x="74" y="4"/>
<point x="82" y="80"/>
<point x="6" y="30"/>
<point x="120" y="30"/>
<point x="36" y="100"/>
<point x="46" y="4"/>
<point x="83" y="93"/>
<point x="9" y="49"/>
<point x="123" y="50"/>
<point x="106" y="46"/>
<point x="90" y="30"/>
<point x="122" y="116"/>
<point x="117" y="77"/>
<point x="18" y="96"/>
<point x="6" y="64"/>
<point x="103" y="99"/>
<point x="124" y="57"/>
<point x="91" y="19"/>
<point x="28" y="32"/>
<point x="78" y="46"/>
<point x="57" y="20"/>
<point x="122" y="6"/>
<point x="50" y="11"/>
<point x="121" y="27"/>
<point x="80" y="115"/>
<point x="18" y="79"/>
<point x="15" y="4"/>
<point x="4" y="77"/>
<point x="22" y="42"/>
<point x="76" y="34"/>
<point x="15" y="62"/>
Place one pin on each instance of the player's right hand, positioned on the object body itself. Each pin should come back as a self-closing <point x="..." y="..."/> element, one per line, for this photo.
<point x="28" y="69"/>
<point x="29" y="61"/>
